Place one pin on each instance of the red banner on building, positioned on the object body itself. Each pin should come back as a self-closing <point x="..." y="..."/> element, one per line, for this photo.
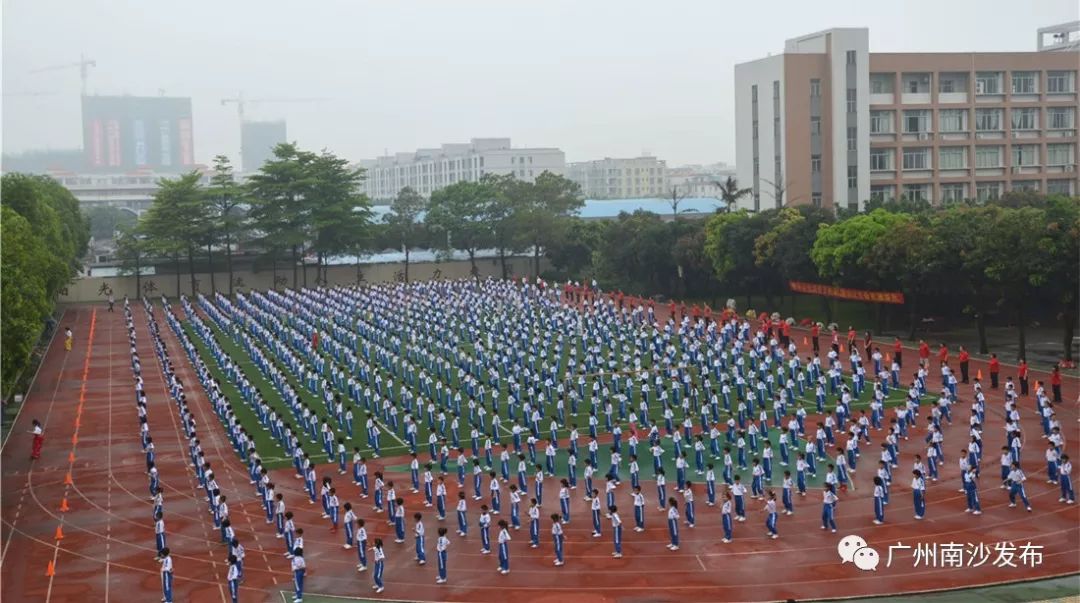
<point x="879" y="297"/>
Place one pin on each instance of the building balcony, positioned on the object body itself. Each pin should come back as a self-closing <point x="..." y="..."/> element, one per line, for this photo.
<point x="876" y="175"/>
<point x="1060" y="133"/>
<point x="882" y="136"/>
<point x="1025" y="169"/>
<point x="954" y="173"/>
<point x="887" y="98"/>
<point x="1061" y="169"/>
<point x="1027" y="133"/>
<point x="917" y="136"/>
<point x="989" y="171"/>
<point x="1032" y="97"/>
<point x="917" y="174"/>
<point x="989" y="98"/>
<point x="990" y="135"/>
<point x="915" y="98"/>
<point x="963" y="135"/>
<point x="952" y="97"/>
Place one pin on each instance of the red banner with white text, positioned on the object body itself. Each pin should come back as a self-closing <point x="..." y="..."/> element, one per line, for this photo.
<point x="879" y="297"/>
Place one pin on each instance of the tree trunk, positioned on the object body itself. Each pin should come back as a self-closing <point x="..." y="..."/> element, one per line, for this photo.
<point x="176" y="265"/>
<point x="228" y="259"/>
<point x="138" y="275"/>
<point x="913" y="320"/>
<point x="191" y="266"/>
<point x="406" y="246"/>
<point x="273" y="270"/>
<point x="880" y="319"/>
<point x="536" y="259"/>
<point x="502" y="260"/>
<point x="827" y="307"/>
<point x="210" y="267"/>
<point x="1021" y="327"/>
<point x="980" y="326"/>
<point x="295" y="274"/>
<point x="303" y="265"/>
<point x="1070" y="329"/>
<point x="358" y="272"/>
<point x="472" y="262"/>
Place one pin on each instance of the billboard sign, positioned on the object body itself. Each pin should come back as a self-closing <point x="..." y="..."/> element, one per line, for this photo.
<point x="127" y="132"/>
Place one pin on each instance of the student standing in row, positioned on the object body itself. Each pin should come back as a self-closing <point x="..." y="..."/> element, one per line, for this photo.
<point x="165" y="559"/>
<point x="504" y="548"/>
<point x="557" y="538"/>
<point x="380" y="562"/>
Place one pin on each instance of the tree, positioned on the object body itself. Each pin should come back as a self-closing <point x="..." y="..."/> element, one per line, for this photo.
<point x="676" y="197"/>
<point x="404" y="219"/>
<point x="730" y="193"/>
<point x="131" y="251"/>
<point x="635" y="255"/>
<point x="340" y="212"/>
<point x="571" y="254"/>
<point x="24" y="294"/>
<point x="1063" y="230"/>
<point x="106" y="221"/>
<point x="225" y="198"/>
<point x="729" y="241"/>
<point x="280" y="207"/>
<point x="177" y="221"/>
<point x="458" y="212"/>
<point x="957" y="232"/>
<point x="551" y="200"/>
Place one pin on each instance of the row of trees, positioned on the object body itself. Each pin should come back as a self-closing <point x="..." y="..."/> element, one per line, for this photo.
<point x="303" y="207"/>
<point x="44" y="236"/>
<point x="1014" y="259"/>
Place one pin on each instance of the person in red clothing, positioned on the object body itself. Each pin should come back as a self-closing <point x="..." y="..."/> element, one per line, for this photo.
<point x="1022" y="373"/>
<point x="943" y="354"/>
<point x="671" y="308"/>
<point x="898" y="352"/>
<point x="868" y="345"/>
<point x="815" y="332"/>
<point x="964" y="359"/>
<point x="850" y="339"/>
<point x="836" y="341"/>
<point x="995" y="369"/>
<point x="315" y="341"/>
<point x="1055" y="383"/>
<point x="924" y="352"/>
<point x="39" y="438"/>
<point x="785" y="333"/>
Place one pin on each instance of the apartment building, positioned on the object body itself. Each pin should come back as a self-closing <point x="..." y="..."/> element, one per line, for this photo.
<point x="829" y="123"/>
<point x="613" y="178"/>
<point x="427" y="170"/>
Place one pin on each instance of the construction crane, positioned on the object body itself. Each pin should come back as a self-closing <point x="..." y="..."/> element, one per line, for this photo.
<point x="18" y="94"/>
<point x="241" y="102"/>
<point x="84" y="64"/>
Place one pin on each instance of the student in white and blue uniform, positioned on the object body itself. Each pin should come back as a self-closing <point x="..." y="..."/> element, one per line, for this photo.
<point x="441" y="547"/>
<point x="233" y="578"/>
<point x="418" y="533"/>
<point x="1015" y="482"/>
<point x="771" y="515"/>
<point x="159" y="532"/>
<point x="787" y="496"/>
<point x="616" y="528"/>
<point x="828" y="508"/>
<point x="1068" y="496"/>
<point x="166" y="571"/>
<point x="879" y="500"/>
<point x="504" y="547"/>
<point x="918" y="492"/>
<point x="726" y="517"/>
<point x="485" y="530"/>
<point x="673" y="524"/>
<point x="558" y="539"/>
<point x="379" y="557"/>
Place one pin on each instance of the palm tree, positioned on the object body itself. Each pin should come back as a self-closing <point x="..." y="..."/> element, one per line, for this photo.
<point x="730" y="193"/>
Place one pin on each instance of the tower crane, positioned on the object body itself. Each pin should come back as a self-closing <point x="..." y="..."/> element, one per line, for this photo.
<point x="84" y="64"/>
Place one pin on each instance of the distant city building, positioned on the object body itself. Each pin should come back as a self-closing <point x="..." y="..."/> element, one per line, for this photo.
<point x="828" y="123"/>
<point x="257" y="142"/>
<point x="122" y="133"/>
<point x="427" y="170"/>
<point x="43" y="161"/>
<point x="132" y="191"/>
<point x="612" y="178"/>
<point x="699" y="180"/>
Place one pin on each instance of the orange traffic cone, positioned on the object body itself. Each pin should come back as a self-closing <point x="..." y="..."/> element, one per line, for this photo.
<point x="59" y="533"/>
<point x="888" y="358"/>
<point x="51" y="570"/>
<point x="64" y="508"/>
<point x="978" y="374"/>
<point x="67" y="479"/>
<point x="841" y="348"/>
<point x="805" y="340"/>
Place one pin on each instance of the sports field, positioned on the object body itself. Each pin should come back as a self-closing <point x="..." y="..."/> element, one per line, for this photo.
<point x="91" y="479"/>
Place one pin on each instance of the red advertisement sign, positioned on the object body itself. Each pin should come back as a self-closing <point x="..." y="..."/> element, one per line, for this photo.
<point x="879" y="297"/>
<point x="187" y="155"/>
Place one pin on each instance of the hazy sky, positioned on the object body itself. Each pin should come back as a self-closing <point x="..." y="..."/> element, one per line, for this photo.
<point x="595" y="78"/>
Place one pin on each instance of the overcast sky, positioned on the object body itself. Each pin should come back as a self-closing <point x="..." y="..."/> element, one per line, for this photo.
<point x="595" y="78"/>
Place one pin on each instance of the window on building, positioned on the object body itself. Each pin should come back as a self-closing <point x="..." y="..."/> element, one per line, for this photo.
<point x="916" y="121"/>
<point x="852" y="177"/>
<point x="851" y="98"/>
<point x="881" y="160"/>
<point x="988" y="82"/>
<point x="1026" y="118"/>
<point x="852" y="133"/>
<point x="1059" y="187"/>
<point x="1030" y="186"/>
<point x="882" y="192"/>
<point x="987" y="191"/>
<point x="1025" y="155"/>
<point x="815" y="164"/>
<point x="851" y="57"/>
<point x="815" y="126"/>
<point x="1060" y="118"/>
<point x="1060" y="82"/>
<point x="881" y="122"/>
<point x="815" y="88"/>
<point x="916" y="83"/>
<point x="1024" y="82"/>
<point x="952" y="158"/>
<point x="917" y="192"/>
<point x="988" y="120"/>
<point x="953" y="192"/>
<point x="952" y="82"/>
<point x="815" y="199"/>
<point x="988" y="157"/>
<point x="953" y="120"/>
<point x="916" y="159"/>
<point x="881" y="83"/>
<point x="1059" y="154"/>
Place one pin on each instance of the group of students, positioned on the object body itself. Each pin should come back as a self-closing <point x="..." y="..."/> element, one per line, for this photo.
<point x="403" y="341"/>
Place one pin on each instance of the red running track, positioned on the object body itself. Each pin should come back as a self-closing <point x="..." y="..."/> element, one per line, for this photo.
<point x="107" y="548"/>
